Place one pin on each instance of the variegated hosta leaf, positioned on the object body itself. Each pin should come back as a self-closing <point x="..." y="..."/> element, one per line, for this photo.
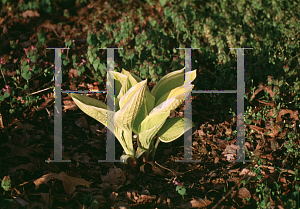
<point x="150" y="101"/>
<point x="139" y="118"/>
<point x="147" y="106"/>
<point x="173" y="128"/>
<point x="171" y="81"/>
<point x="92" y="107"/>
<point x="117" y="107"/>
<point x="129" y="94"/>
<point x="138" y="79"/>
<point x="125" y="87"/>
<point x="119" y="81"/>
<point x="164" y="81"/>
<point x="173" y="93"/>
<point x="127" y="114"/>
<point x="150" y="126"/>
<point x="127" y="146"/>
<point x="122" y="84"/>
<point x="172" y="103"/>
<point x="88" y="100"/>
<point x="132" y="80"/>
<point x="97" y="110"/>
<point x="133" y="77"/>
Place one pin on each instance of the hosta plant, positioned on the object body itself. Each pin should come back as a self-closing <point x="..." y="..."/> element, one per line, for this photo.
<point x="142" y="112"/>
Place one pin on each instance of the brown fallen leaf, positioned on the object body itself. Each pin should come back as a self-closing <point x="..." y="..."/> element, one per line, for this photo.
<point x="20" y="151"/>
<point x="228" y="131"/>
<point x="29" y="167"/>
<point x="258" y="129"/>
<point x="69" y="182"/>
<point x="246" y="171"/>
<point x="83" y="158"/>
<point x="30" y="13"/>
<point x="201" y="132"/>
<point x="27" y="126"/>
<point x="146" y="167"/>
<point x="69" y="105"/>
<point x="293" y="114"/>
<point x="265" y="88"/>
<point x="81" y="122"/>
<point x="114" y="176"/>
<point x="230" y="152"/>
<point x="73" y="73"/>
<point x="94" y="128"/>
<point x="48" y="99"/>
<point x="243" y="193"/>
<point x="197" y="203"/>
<point x="21" y="202"/>
<point x="1" y="20"/>
<point x="143" y="199"/>
<point x="239" y="197"/>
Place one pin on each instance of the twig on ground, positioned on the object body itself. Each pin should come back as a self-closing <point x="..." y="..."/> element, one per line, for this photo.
<point x="1" y="122"/>
<point x="55" y="31"/>
<point x="167" y="169"/>
<point x="39" y="91"/>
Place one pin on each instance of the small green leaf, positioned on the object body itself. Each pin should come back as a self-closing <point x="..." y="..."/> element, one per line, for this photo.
<point x="95" y="204"/>
<point x="33" y="58"/>
<point x="181" y="190"/>
<point x="5" y="184"/>
<point x="95" y="66"/>
<point x="4" y="96"/>
<point x="65" y="62"/>
<point x="26" y="73"/>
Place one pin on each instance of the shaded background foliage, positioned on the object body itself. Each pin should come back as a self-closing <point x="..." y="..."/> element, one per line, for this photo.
<point x="149" y="32"/>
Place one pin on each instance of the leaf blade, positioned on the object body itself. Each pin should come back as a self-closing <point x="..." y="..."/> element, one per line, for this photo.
<point x="146" y="107"/>
<point x="174" y="92"/>
<point x="150" y="126"/>
<point x="92" y="107"/>
<point x="171" y="81"/>
<point x="173" y="129"/>
<point x="172" y="103"/>
<point x="126" y="115"/>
